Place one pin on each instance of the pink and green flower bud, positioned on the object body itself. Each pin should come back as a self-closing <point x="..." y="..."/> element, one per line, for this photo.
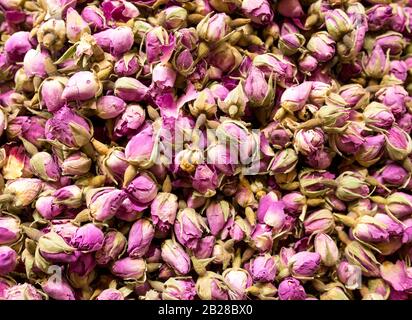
<point x="68" y="129"/>
<point x="350" y="275"/>
<point x="17" y="45"/>
<point x="179" y="289"/>
<point x="114" y="245"/>
<point x="130" y="89"/>
<point x="38" y="63"/>
<point x="52" y="34"/>
<point x="45" y="166"/>
<point x="235" y="102"/>
<point x="398" y="143"/>
<point x="88" y="238"/>
<point x="81" y="86"/>
<point x="17" y="163"/>
<point x="130" y="121"/>
<point x="376" y="65"/>
<point x="217" y="215"/>
<point x="399" y="204"/>
<point x="262" y="268"/>
<point x="338" y="23"/>
<point x="104" y="202"/>
<point x="320" y="221"/>
<point x="23" y="191"/>
<point x="70" y="196"/>
<point x="240" y="229"/>
<point x="294" y="203"/>
<point x="159" y="45"/>
<point x="326" y="247"/>
<point x="259" y="92"/>
<point x="189" y="227"/>
<point x="355" y="96"/>
<point x="304" y="264"/>
<point x="308" y="141"/>
<point x="115" y="41"/>
<point x="173" y="17"/>
<point x="295" y="97"/>
<point x="393" y="174"/>
<point x="397" y="275"/>
<point x="47" y="208"/>
<point x="259" y="11"/>
<point x="379" y="16"/>
<point x="94" y="17"/>
<point x="351" y="186"/>
<point x="271" y="211"/>
<point x="291" y="289"/>
<point x="393" y="97"/>
<point x="140" y="236"/>
<point x="127" y="66"/>
<point x="109" y="107"/>
<point x="58" y="289"/>
<point x="175" y="256"/>
<point x="291" y="40"/>
<point x="225" y="57"/>
<point x="350" y="140"/>
<point x="204" y="247"/>
<point x="371" y="150"/>
<point x="76" y="164"/>
<point x="213" y="28"/>
<point x="10" y="230"/>
<point x="54" y="249"/>
<point x="51" y="91"/>
<point x="163" y="76"/>
<point x="378" y="115"/>
<point x="141" y="191"/>
<point x="237" y="280"/>
<point x="320" y="159"/>
<point x="290" y="8"/>
<point x="322" y="46"/>
<point x="205" y="180"/>
<point x="75" y="25"/>
<point x="315" y="183"/>
<point x="210" y="286"/>
<point x="163" y="210"/>
<point x="390" y="41"/>
<point x="307" y="63"/>
<point x="23" y="291"/>
<point x="110" y="294"/>
<point x="284" y="161"/>
<point x="360" y="256"/>
<point x="130" y="269"/>
<point x="262" y="238"/>
<point x="8" y="260"/>
<point x="399" y="70"/>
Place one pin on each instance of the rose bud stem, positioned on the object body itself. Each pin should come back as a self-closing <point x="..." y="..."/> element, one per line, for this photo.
<point x="250" y="216"/>
<point x="82" y="216"/>
<point x="346" y="220"/>
<point x="130" y="173"/>
<point x="167" y="185"/>
<point x="194" y="18"/>
<point x="152" y="267"/>
<point x="157" y="285"/>
<point x="101" y="148"/>
<point x="342" y="235"/>
<point x="239" y="22"/>
<point x="378" y="199"/>
<point x="153" y="113"/>
<point x="199" y="265"/>
<point x="237" y="260"/>
<point x="247" y="254"/>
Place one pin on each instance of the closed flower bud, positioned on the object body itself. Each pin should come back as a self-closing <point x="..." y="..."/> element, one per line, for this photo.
<point x="334" y="293"/>
<point x="321" y="46"/>
<point x="70" y="196"/>
<point x="108" y="107"/>
<point x="354" y="95"/>
<point x="174" y="255"/>
<point x="114" y="245"/>
<point x="291" y="289"/>
<point x="23" y="291"/>
<point x="45" y="167"/>
<point x="38" y="63"/>
<point x="259" y="11"/>
<point x="393" y="97"/>
<point x="295" y="97"/>
<point x="284" y="161"/>
<point x="294" y="203"/>
<point x="94" y="17"/>
<point x="240" y="229"/>
<point x="47" y="208"/>
<point x="88" y="238"/>
<point x="399" y="204"/>
<point x="351" y="186"/>
<point x="76" y="164"/>
<point x="376" y="65"/>
<point x="290" y="8"/>
<point x="81" y="86"/>
<point x="23" y="191"/>
<point x="371" y="150"/>
<point x="362" y="257"/>
<point x="128" y="65"/>
<point x="179" y="289"/>
<point x="398" y="143"/>
<point x="213" y="28"/>
<point x="290" y="40"/>
<point x="110" y="294"/>
<point x="10" y="230"/>
<point x="378" y="16"/>
<point x="204" y="247"/>
<point x="259" y="92"/>
<point x="141" y="191"/>
<point x="104" y="202"/>
<point x="315" y="183"/>
<point x="235" y="102"/>
<point x="320" y="221"/>
<point x="130" y="89"/>
<point x="140" y="237"/>
<point x="163" y="210"/>
<point x="8" y="260"/>
<point x="392" y="41"/>
<point x="337" y="23"/>
<point x="378" y="115"/>
<point x="304" y="264"/>
<point x="115" y="41"/>
<point x="238" y="280"/>
<point x="271" y="211"/>
<point x="217" y="214"/>
<point x="263" y="268"/>
<point x="262" y="237"/>
<point x="75" y="25"/>
<point x="327" y="249"/>
<point x="159" y="45"/>
<point x="173" y="17"/>
<point x="225" y="57"/>
<point x="54" y="248"/>
<point x="128" y="123"/>
<point x="52" y="34"/>
<point x="17" y="45"/>
<point x="51" y="91"/>
<point x="205" y="180"/>
<point x="189" y="227"/>
<point x="370" y="230"/>
<point x="350" y="275"/>
<point x="130" y="269"/>
<point x="211" y="287"/>
<point x="309" y="141"/>
<point x="58" y="289"/>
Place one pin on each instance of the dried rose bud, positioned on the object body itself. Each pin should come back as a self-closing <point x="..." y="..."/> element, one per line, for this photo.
<point x="394" y="97"/>
<point x="351" y="186"/>
<point x="70" y="196"/>
<point x="259" y="92"/>
<point x="23" y="291"/>
<point x="235" y="102"/>
<point x="240" y="229"/>
<point x="284" y="161"/>
<point x="204" y="247"/>
<point x="54" y="249"/>
<point x="217" y="214"/>
<point x="108" y="107"/>
<point x="88" y="238"/>
<point x="205" y="180"/>
<point x="390" y="41"/>
<point x="45" y="167"/>
<point x="320" y="221"/>
<point x="76" y="164"/>
<point x="163" y="210"/>
<point x="8" y="260"/>
<point x="327" y="249"/>
<point x="354" y="95"/>
<point x="51" y="91"/>
<point x="38" y="63"/>
<point x="83" y="85"/>
<point x="291" y="40"/>
<point x="58" y="288"/>
<point x="213" y="28"/>
<point x="371" y="150"/>
<point x="315" y="183"/>
<point x="211" y="286"/>
<point x="130" y="269"/>
<point x="262" y="237"/>
<point x="350" y="275"/>
<point x="130" y="89"/>
<point x="131" y="119"/>
<point x="398" y="143"/>
<point x="115" y="41"/>
<point x="189" y="227"/>
<point x="174" y="255"/>
<point x="22" y="191"/>
<point x="271" y="211"/>
<point x="179" y="289"/>
<point x="52" y="34"/>
<point x="378" y="16"/>
<point x="376" y="65"/>
<point x="140" y="236"/>
<point x="104" y="202"/>
<point x="238" y="280"/>
<point x="225" y="57"/>
<point x="141" y="191"/>
<point x="337" y="23"/>
<point x="17" y="163"/>
<point x="321" y="46"/>
<point x="399" y="204"/>
<point x="10" y="230"/>
<point x="17" y="45"/>
<point x="114" y="245"/>
<point x="263" y="268"/>
<point x="259" y="11"/>
<point x="159" y="45"/>
<point x="378" y="115"/>
<point x="308" y="141"/>
<point x="304" y="264"/>
<point x="295" y="97"/>
<point x="47" y="208"/>
<point x="359" y="255"/>
<point x="291" y="289"/>
<point x="75" y="25"/>
<point x="94" y="17"/>
<point x="110" y="294"/>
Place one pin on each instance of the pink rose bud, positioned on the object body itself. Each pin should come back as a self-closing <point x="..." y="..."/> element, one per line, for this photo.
<point x="378" y="16"/>
<point x="291" y="289"/>
<point x="393" y="175"/>
<point x="321" y="46"/>
<point x="174" y="255"/>
<point x="179" y="289"/>
<point x="320" y="221"/>
<point x="70" y="196"/>
<point x="304" y="264"/>
<point x="10" y="230"/>
<point x="108" y="107"/>
<point x="290" y="8"/>
<point x="291" y="40"/>
<point x="327" y="249"/>
<point x="338" y="23"/>
<point x="113" y="246"/>
<point x="54" y="248"/>
<point x="141" y="150"/>
<point x="284" y="161"/>
<point x="294" y="203"/>
<point x="68" y="128"/>
<point x="362" y="257"/>
<point x="17" y="45"/>
<point x="397" y="275"/>
<point x="130" y="121"/>
<point x="211" y="287"/>
<point x="140" y="236"/>
<point x="371" y="150"/>
<point x="240" y="229"/>
<point x="309" y="141"/>
<point x="399" y="69"/>
<point x="395" y="98"/>
<point x="351" y="186"/>
<point x="205" y="247"/>
<point x="351" y="139"/>
<point x="38" y="63"/>
<point x="88" y="238"/>
<point x="110" y="294"/>
<point x="47" y="208"/>
<point x="271" y="211"/>
<point x="77" y="164"/>
<point x="51" y="91"/>
<point x="23" y="190"/>
<point x="238" y="280"/>
<point x="399" y="204"/>
<point x="295" y="97"/>
<point x="58" y="289"/>
<point x="8" y="260"/>
<point x="350" y="275"/>
<point x="217" y="214"/>
<point x="83" y="85"/>
<point x="354" y="95"/>
<point x="127" y="66"/>
<point x="159" y="45"/>
<point x="376" y="65"/>
<point x="378" y="115"/>
<point x="94" y="17"/>
<point x="174" y="17"/>
<point x="23" y="291"/>
<point x="130" y="89"/>
<point x="163" y="210"/>
<point x="130" y="269"/>
<point x="44" y="166"/>
<point x="394" y="228"/>
<point x="141" y="191"/>
<point x="405" y="123"/>
<point x="205" y="179"/>
<point x="271" y="63"/>
<point x="115" y="41"/>
<point x="398" y="143"/>
<point x="52" y="34"/>
<point x="258" y="11"/>
<point x="104" y="202"/>
<point x="75" y="25"/>
<point x="259" y="92"/>
<point x="390" y="41"/>
<point x="189" y="227"/>
<point x="307" y="63"/>
<point x="163" y="76"/>
<point x="213" y="28"/>
<point x="263" y="268"/>
<point x="262" y="238"/>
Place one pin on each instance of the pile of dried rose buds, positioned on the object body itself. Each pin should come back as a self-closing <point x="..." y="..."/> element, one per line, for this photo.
<point x="206" y="149"/>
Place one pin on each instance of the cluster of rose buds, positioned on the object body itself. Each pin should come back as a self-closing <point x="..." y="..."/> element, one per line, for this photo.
<point x="206" y="149"/>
